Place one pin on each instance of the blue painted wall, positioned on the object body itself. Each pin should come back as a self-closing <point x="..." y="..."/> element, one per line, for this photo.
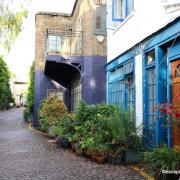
<point x="92" y="69"/>
<point x="94" y="79"/>
<point x="166" y="43"/>
<point x="42" y="83"/>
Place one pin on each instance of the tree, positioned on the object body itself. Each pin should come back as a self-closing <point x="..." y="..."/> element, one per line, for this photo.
<point x="5" y="91"/>
<point x="30" y="95"/>
<point x="10" y="24"/>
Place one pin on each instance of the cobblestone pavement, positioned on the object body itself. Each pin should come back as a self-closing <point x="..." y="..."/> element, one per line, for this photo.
<point x="26" y="155"/>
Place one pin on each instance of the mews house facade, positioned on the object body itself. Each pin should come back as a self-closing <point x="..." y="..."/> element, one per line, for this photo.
<point x="70" y="55"/>
<point x="143" y="67"/>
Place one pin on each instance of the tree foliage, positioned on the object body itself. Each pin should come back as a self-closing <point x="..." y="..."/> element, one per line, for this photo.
<point x="30" y="95"/>
<point x="5" y="91"/>
<point x="10" y="24"/>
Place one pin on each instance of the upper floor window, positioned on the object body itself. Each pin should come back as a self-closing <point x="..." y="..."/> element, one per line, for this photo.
<point x="99" y="20"/>
<point x="112" y="74"/>
<point x="55" y="43"/>
<point x="121" y="9"/>
<point x="150" y="57"/>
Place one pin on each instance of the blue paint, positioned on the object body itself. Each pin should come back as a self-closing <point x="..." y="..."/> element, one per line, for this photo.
<point x="113" y="13"/>
<point x="161" y="37"/>
<point x="93" y="71"/>
<point x="163" y="41"/>
<point x="169" y="96"/>
<point x="174" y="52"/>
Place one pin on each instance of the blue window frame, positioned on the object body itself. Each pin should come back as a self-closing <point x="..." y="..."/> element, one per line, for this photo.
<point x="151" y="97"/>
<point x="121" y="86"/>
<point x="121" y="9"/>
<point x="130" y="98"/>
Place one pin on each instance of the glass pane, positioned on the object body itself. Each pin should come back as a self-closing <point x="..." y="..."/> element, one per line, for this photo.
<point x="177" y="74"/>
<point x="128" y="68"/>
<point x="120" y="71"/>
<point x="130" y="6"/>
<point x="112" y="74"/>
<point x="151" y="100"/>
<point x="119" y="9"/>
<point x="150" y="57"/>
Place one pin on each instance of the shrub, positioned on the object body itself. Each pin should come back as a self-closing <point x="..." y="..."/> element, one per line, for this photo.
<point x="50" y="111"/>
<point x="64" y="127"/>
<point x="30" y="95"/>
<point x="5" y="91"/>
<point x="162" y="158"/>
<point x="26" y="114"/>
<point x="104" y="124"/>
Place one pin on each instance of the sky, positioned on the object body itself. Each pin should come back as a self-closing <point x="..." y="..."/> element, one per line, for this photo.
<point x="22" y="53"/>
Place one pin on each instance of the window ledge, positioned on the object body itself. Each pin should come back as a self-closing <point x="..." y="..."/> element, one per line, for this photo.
<point x="124" y="22"/>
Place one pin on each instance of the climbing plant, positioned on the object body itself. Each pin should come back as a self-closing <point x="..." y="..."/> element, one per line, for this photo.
<point x="30" y="95"/>
<point x="5" y="91"/>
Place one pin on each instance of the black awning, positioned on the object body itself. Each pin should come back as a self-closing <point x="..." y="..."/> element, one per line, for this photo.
<point x="61" y="72"/>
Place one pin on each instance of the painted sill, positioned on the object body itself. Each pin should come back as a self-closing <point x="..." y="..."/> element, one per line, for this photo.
<point x="124" y="22"/>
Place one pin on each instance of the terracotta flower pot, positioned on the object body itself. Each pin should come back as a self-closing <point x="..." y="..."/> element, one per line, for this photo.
<point x="100" y="159"/>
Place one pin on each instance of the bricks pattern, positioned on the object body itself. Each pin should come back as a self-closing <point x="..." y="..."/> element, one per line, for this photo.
<point x="81" y="20"/>
<point x="26" y="155"/>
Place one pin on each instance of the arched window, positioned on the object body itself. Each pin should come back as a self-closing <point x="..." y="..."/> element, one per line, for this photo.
<point x="177" y="71"/>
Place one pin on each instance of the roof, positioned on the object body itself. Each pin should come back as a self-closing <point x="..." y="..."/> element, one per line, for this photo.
<point x="57" y="13"/>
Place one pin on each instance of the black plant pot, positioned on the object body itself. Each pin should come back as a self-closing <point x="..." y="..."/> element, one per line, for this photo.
<point x="162" y="176"/>
<point x="64" y="143"/>
<point x="115" y="159"/>
<point x="132" y="156"/>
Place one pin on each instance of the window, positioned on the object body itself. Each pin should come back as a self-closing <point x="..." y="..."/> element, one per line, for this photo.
<point x="177" y="73"/>
<point x="55" y="93"/>
<point x="128" y="67"/>
<point x="76" y="92"/>
<point x="150" y="57"/>
<point x="116" y="93"/>
<point x="98" y="22"/>
<point x="55" y="43"/>
<point x="120" y="71"/>
<point x="112" y="74"/>
<point x="122" y="8"/>
<point x="151" y="103"/>
<point x="130" y="96"/>
<point x="121" y="86"/>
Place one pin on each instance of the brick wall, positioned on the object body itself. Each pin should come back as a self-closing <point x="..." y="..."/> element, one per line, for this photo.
<point x="46" y="21"/>
<point x="83" y="20"/>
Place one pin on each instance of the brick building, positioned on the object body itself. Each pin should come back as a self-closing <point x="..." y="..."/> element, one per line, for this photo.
<point x="70" y="55"/>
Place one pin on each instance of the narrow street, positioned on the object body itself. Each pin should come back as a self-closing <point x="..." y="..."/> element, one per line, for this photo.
<point x="26" y="155"/>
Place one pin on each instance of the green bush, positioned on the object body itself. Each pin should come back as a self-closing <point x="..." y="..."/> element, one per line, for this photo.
<point x="5" y="91"/>
<point x="30" y="95"/>
<point x="162" y="158"/>
<point x="104" y="124"/>
<point x="50" y="111"/>
<point x="64" y="127"/>
<point x="26" y="114"/>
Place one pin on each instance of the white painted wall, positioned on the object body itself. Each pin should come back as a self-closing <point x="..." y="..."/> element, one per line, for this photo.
<point x="138" y="87"/>
<point x="148" y="17"/>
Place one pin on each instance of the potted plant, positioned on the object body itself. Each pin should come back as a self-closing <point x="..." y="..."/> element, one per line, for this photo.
<point x="100" y="153"/>
<point x="116" y="155"/>
<point x="63" y="142"/>
<point x="133" y="149"/>
<point x="160" y="159"/>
